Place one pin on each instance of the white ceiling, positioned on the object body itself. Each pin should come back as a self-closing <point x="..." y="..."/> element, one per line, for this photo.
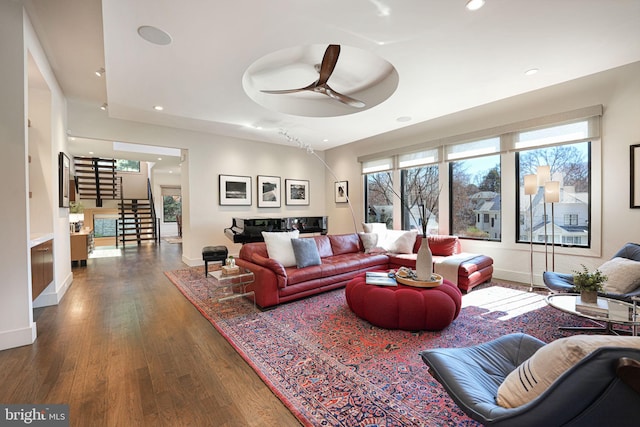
<point x="447" y="58"/>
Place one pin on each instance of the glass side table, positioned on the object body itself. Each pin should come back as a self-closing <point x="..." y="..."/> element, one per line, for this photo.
<point x="619" y="312"/>
<point x="235" y="284"/>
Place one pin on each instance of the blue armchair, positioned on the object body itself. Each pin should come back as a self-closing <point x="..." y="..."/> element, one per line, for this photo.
<point x="603" y="389"/>
<point x="561" y="282"/>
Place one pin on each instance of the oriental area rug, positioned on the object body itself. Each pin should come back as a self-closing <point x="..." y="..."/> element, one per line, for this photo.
<point x="331" y="368"/>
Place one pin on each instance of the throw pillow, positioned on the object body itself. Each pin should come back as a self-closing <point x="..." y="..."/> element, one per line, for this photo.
<point x="442" y="245"/>
<point x="623" y="275"/>
<point x="369" y="241"/>
<point x="306" y="252"/>
<point x="400" y="241"/>
<point x="279" y="246"/>
<point x="374" y="227"/>
<point x="536" y="374"/>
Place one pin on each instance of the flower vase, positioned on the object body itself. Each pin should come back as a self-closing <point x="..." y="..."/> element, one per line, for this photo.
<point x="424" y="261"/>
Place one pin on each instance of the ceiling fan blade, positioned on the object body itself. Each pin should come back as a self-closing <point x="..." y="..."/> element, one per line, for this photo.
<point x="302" y="89"/>
<point x="329" y="61"/>
<point x="345" y="99"/>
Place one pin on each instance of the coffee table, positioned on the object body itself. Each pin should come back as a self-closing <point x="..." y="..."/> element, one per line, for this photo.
<point x="620" y="312"/>
<point x="223" y="281"/>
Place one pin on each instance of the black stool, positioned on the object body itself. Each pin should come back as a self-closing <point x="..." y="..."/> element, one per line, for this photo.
<point x="213" y="253"/>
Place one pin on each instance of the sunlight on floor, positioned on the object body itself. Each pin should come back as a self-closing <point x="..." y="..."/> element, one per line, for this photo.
<point x="511" y="302"/>
<point x="105" y="252"/>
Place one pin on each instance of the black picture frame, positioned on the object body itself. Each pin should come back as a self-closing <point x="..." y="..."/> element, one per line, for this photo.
<point x="269" y="191"/>
<point x="234" y="190"/>
<point x="634" y="194"/>
<point x="297" y="192"/>
<point x="64" y="171"/>
<point x="341" y="191"/>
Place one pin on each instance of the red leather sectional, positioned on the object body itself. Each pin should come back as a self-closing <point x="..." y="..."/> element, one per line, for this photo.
<point x="342" y="259"/>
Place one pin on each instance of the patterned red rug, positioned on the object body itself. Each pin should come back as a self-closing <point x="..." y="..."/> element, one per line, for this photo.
<point x="333" y="369"/>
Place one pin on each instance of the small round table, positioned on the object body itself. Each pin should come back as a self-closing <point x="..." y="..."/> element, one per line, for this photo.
<point x="404" y="307"/>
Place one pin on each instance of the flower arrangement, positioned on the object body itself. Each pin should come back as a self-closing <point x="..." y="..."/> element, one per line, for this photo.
<point x="584" y="280"/>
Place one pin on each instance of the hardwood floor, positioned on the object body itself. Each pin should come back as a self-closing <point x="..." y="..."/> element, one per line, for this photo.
<point x="125" y="348"/>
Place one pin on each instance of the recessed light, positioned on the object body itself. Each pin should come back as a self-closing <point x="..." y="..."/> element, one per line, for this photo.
<point x="91" y="152"/>
<point x="159" y="158"/>
<point x="158" y="107"/>
<point x="104" y="107"/>
<point x="403" y="119"/>
<point x="475" y="4"/>
<point x="154" y="35"/>
<point x="100" y="72"/>
<point x="531" y="72"/>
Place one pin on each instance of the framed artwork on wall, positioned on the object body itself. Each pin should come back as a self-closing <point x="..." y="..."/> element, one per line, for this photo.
<point x="64" y="168"/>
<point x="268" y="191"/>
<point x="635" y="176"/>
<point x="341" y="191"/>
<point x="235" y="190"/>
<point x="297" y="192"/>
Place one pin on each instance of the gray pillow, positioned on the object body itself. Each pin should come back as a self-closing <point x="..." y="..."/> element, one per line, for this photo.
<point x="306" y="252"/>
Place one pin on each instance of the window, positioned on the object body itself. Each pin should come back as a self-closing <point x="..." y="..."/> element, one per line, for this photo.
<point x="475" y="198"/>
<point x="127" y="165"/>
<point x="171" y="206"/>
<point x="379" y="197"/>
<point x="570" y="167"/>
<point x="105" y="225"/>
<point x="420" y="193"/>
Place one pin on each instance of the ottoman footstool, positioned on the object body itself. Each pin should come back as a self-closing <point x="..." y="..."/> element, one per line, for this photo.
<point x="213" y="253"/>
<point x="404" y="307"/>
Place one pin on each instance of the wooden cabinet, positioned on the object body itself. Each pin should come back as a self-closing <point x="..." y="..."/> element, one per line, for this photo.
<point x="81" y="246"/>
<point x="41" y="267"/>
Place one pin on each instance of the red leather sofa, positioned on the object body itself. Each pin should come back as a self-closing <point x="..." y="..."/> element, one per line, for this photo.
<point x="342" y="258"/>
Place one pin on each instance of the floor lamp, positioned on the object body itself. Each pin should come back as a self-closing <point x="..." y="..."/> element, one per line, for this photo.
<point x="544" y="174"/>
<point x="530" y="188"/>
<point x="552" y="195"/>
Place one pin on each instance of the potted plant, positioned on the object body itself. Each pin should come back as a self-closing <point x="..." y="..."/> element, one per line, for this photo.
<point x="588" y="284"/>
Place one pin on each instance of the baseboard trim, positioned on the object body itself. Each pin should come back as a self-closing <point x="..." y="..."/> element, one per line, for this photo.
<point x="48" y="298"/>
<point x="18" y="337"/>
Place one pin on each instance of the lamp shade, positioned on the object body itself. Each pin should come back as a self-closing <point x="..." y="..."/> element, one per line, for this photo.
<point x="552" y="192"/>
<point x="544" y="175"/>
<point x="530" y="184"/>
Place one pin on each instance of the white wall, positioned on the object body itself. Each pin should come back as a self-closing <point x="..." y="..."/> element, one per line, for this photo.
<point x="207" y="156"/>
<point x="617" y="90"/>
<point x="16" y="309"/>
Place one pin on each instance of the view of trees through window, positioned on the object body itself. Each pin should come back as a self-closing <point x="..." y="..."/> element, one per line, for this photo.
<point x="127" y="165"/>
<point x="171" y="206"/>
<point x="420" y="191"/>
<point x="475" y="202"/>
<point x="569" y="165"/>
<point x="379" y="197"/>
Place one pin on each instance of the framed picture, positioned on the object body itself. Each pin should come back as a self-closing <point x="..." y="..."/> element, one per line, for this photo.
<point x="635" y="176"/>
<point x="268" y="191"/>
<point x="64" y="167"/>
<point x="235" y="190"/>
<point x="297" y="192"/>
<point x="341" y="191"/>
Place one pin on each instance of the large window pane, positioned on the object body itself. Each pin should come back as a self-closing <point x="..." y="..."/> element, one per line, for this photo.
<point x="420" y="191"/>
<point x="171" y="206"/>
<point x="569" y="165"/>
<point x="475" y="198"/>
<point x="379" y="198"/>
<point x="127" y="165"/>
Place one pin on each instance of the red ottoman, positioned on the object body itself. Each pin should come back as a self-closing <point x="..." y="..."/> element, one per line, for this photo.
<point x="404" y="307"/>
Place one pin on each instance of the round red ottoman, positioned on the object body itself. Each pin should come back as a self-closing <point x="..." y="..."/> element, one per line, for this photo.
<point x="404" y="307"/>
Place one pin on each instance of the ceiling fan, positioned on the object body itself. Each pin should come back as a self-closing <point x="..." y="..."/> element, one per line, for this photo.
<point x="329" y="61"/>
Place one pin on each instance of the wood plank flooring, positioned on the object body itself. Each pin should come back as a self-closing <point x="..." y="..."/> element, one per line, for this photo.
<point x="125" y="348"/>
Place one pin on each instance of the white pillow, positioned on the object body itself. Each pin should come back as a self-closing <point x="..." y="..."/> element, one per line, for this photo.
<point x="369" y="241"/>
<point x="623" y="275"/>
<point x="399" y="241"/>
<point x="374" y="227"/>
<point x="279" y="246"/>
<point x="535" y="375"/>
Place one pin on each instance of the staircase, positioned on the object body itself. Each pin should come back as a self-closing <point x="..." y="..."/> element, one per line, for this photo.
<point x="96" y="179"/>
<point x="137" y="221"/>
